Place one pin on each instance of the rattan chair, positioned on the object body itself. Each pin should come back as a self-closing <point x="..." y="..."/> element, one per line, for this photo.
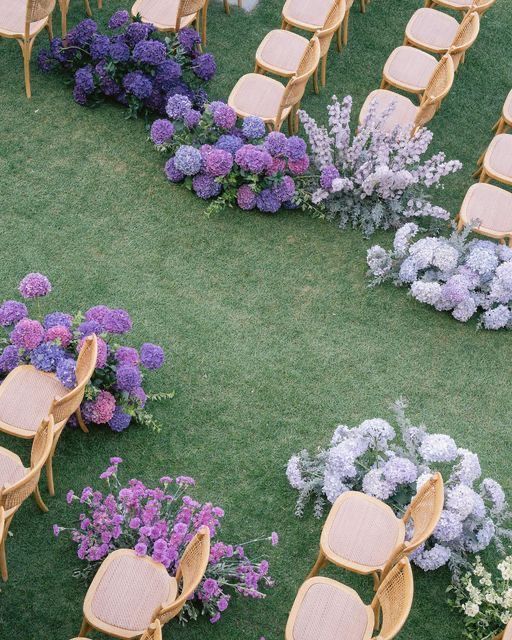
<point x="406" y="114"/>
<point x="153" y="632"/>
<point x="410" y="69"/>
<point x="130" y="592"/>
<point x="462" y="5"/>
<point x="22" y="20"/>
<point x="27" y="395"/>
<point x="325" y="609"/>
<point x="438" y="33"/>
<point x="312" y="16"/>
<point x="496" y="162"/>
<point x="64" y="9"/>
<point x="18" y="482"/>
<point x="281" y="51"/>
<point x="227" y="8"/>
<point x="363" y="535"/>
<point x="269" y="99"/>
<point x="173" y="15"/>
<point x="489" y="208"/>
<point x="506" y="116"/>
<point x="506" y="634"/>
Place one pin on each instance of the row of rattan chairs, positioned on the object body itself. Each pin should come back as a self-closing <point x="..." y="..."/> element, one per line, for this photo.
<point x="413" y="67"/>
<point x="363" y="535"/>
<point x="35" y="406"/>
<point x="488" y="206"/>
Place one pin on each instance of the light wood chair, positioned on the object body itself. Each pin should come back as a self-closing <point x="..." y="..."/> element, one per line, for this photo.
<point x="462" y="5"/>
<point x="18" y="482"/>
<point x="227" y="8"/>
<point x="406" y="114"/>
<point x="325" y="609"/>
<point x="496" y="162"/>
<point x="130" y="592"/>
<point x="506" y="634"/>
<point x="505" y="120"/>
<point x="153" y="632"/>
<point x="410" y="69"/>
<point x="27" y="395"/>
<point x="363" y="535"/>
<point x="489" y="207"/>
<point x="269" y="99"/>
<point x="281" y="51"/>
<point x="173" y="15"/>
<point x="312" y="16"/>
<point x="64" y="9"/>
<point x="22" y="21"/>
<point x="438" y="33"/>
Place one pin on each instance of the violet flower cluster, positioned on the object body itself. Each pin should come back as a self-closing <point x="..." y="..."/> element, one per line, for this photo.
<point x="373" y="179"/>
<point x="392" y="465"/>
<point x="466" y="277"/>
<point x="159" y="523"/>
<point x="228" y="162"/>
<point x="51" y="343"/>
<point x="133" y="64"/>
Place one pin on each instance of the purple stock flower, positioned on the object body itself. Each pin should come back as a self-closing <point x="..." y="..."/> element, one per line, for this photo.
<point x="246" y="198"/>
<point x="34" y="285"/>
<point x="151" y="356"/>
<point x="138" y="84"/>
<point x="27" y="334"/>
<point x="267" y="201"/>
<point x="120" y="420"/>
<point x="188" y="160"/>
<point x="204" y="66"/>
<point x="118" y="19"/>
<point x="205" y="186"/>
<point x="161" y="131"/>
<point x="274" y="538"/>
<point x="12" y="312"/>
<point x="172" y="173"/>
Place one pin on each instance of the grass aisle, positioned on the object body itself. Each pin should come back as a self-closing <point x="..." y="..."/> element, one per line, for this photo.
<point x="275" y="336"/>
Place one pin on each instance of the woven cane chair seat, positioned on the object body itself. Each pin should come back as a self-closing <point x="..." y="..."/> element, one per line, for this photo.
<point x="409" y="69"/>
<point x="162" y="13"/>
<point x="492" y="206"/>
<point x="11" y="468"/>
<point x="26" y="396"/>
<point x="403" y="114"/>
<point x="12" y="19"/>
<point x="126" y="593"/>
<point x="432" y="30"/>
<point x="257" y="95"/>
<point x="281" y="52"/>
<point x="498" y="158"/>
<point x="307" y="15"/>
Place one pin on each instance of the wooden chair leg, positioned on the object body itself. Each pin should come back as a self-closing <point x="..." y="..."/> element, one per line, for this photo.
<point x="26" y="49"/>
<point x="502" y="125"/>
<point x="49" y="475"/>
<point x="320" y="563"/>
<point x="345" y="28"/>
<point x="3" y="562"/>
<point x="49" y="27"/>
<point x="290" y="123"/>
<point x="204" y="23"/>
<point x="240" y="4"/>
<point x="363" y="6"/>
<point x="384" y="84"/>
<point x="484" y="176"/>
<point x="39" y="500"/>
<point x="460" y="223"/>
<point x="339" y="38"/>
<point x="315" y="82"/>
<point x="85" y="628"/>
<point x="80" y="420"/>
<point x="324" y="69"/>
<point x="227" y="9"/>
<point x="87" y="8"/>
<point x="100" y="4"/>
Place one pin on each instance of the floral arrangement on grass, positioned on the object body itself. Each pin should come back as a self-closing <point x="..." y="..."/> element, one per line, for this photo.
<point x="133" y="64"/>
<point x="392" y="466"/>
<point x="160" y="522"/>
<point x="451" y="274"/>
<point x="374" y="179"/>
<point x="228" y="162"/>
<point x="484" y="598"/>
<point x="115" y="395"/>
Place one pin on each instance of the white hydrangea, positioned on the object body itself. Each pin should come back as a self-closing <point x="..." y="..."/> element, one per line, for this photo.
<point x="445" y="257"/>
<point x="426" y="292"/>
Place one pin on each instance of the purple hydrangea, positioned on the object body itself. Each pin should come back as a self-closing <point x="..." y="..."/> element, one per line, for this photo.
<point x="253" y="128"/>
<point x="140" y="395"/>
<point x="171" y="172"/>
<point x="128" y="377"/>
<point x="11" y="312"/>
<point x="58" y="319"/>
<point x="82" y="34"/>
<point x="138" y="84"/>
<point x="107" y="84"/>
<point x="9" y="358"/>
<point x="246" y="198"/>
<point x="119" y="51"/>
<point x="189" y="39"/>
<point x="295" y="148"/>
<point x="59" y="333"/>
<point x="278" y="166"/>
<point x="151" y="356"/>
<point x="204" y="66"/>
<point x="161" y="131"/>
<point x="218" y="163"/>
<point x="497" y="318"/>
<point x="398" y="470"/>
<point x="136" y="32"/>
<point x="117" y="321"/>
<point x="27" y="334"/>
<point x="152" y="52"/>
<point x="229" y="142"/>
<point x="167" y="73"/>
<point x="285" y="190"/>
<point x="276" y="143"/>
<point x="118" y="19"/>
<point x="100" y="410"/>
<point x="127" y="355"/>
<point x="178" y="106"/>
<point x="66" y="372"/>
<point x="46" y="356"/>
<point x="45" y="61"/>
<point x="188" y="160"/>
<point x="192" y="118"/>
<point x="34" y="285"/>
<point x="84" y="80"/>
<point x="267" y="201"/>
<point x="224" y="116"/>
<point x="120" y="420"/>
<point x="328" y="175"/>
<point x="205" y="186"/>
<point x="89" y="327"/>
<point x="253" y="159"/>
<point x="100" y="47"/>
<point x="299" y="167"/>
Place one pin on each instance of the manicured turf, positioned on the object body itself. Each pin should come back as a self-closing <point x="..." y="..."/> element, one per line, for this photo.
<point x="274" y="334"/>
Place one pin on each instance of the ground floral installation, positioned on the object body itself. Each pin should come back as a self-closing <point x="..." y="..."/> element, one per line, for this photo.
<point x="160" y="522"/>
<point x="228" y="162"/>
<point x="450" y="274"/>
<point x="132" y="64"/>
<point x="484" y="598"/>
<point x="374" y="179"/>
<point x="392" y="466"/>
<point x="115" y="396"/>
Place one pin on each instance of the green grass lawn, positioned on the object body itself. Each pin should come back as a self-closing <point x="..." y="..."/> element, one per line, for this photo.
<point x="275" y="337"/>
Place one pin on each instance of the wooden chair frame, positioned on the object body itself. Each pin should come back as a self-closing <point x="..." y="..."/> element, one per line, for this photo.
<point x="64" y="9"/>
<point x="153" y="632"/>
<point x="342" y="33"/>
<point x="186" y="8"/>
<point x="462" y="221"/>
<point x="505" y="120"/>
<point x="13" y="496"/>
<point x="482" y="6"/>
<point x="227" y="8"/>
<point x="403" y="547"/>
<point x="486" y="171"/>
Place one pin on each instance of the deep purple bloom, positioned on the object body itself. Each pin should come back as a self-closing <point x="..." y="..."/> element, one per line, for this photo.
<point x="151" y="52"/>
<point x="138" y="84"/>
<point x="119" y="421"/>
<point x="117" y="321"/>
<point x="9" y="358"/>
<point x="276" y="143"/>
<point x="204" y="66"/>
<point x="27" y="334"/>
<point x="58" y="319"/>
<point x="136" y="32"/>
<point x="82" y="34"/>
<point x="192" y="118"/>
<point x="224" y="116"/>
<point x="205" y="186"/>
<point x="167" y="73"/>
<point x="89" y="327"/>
<point x="267" y="201"/>
<point x="246" y="198"/>
<point x="253" y="128"/>
<point x="46" y="356"/>
<point x="229" y="142"/>
<point x="11" y="312"/>
<point x="107" y="84"/>
<point x="161" y="131"/>
<point x="295" y="148"/>
<point x="97" y="314"/>
<point x="84" y="80"/>
<point x="100" y="46"/>
<point x="253" y="159"/>
<point x="188" y="160"/>
<point x="45" y="61"/>
<point x="151" y="356"/>
<point x="118" y="19"/>
<point x="178" y="106"/>
<point x="328" y="175"/>
<point x="189" y="39"/>
<point x="119" y="51"/>
<point x="127" y="355"/>
<point x="218" y="163"/>
<point x="285" y="190"/>
<point x="65" y="372"/>
<point x="128" y="377"/>
<point x="172" y="173"/>
<point x="34" y="285"/>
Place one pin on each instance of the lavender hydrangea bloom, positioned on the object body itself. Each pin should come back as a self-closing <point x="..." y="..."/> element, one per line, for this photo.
<point x="127" y="355"/>
<point x="120" y="420"/>
<point x="178" y="106"/>
<point x="136" y="32"/>
<point x="82" y="33"/>
<point x="376" y="431"/>
<point x="128" y="377"/>
<point x="11" y="312"/>
<point x="497" y="318"/>
<point x="89" y="327"/>
<point x="375" y="485"/>
<point x="329" y="173"/>
<point x="27" y="334"/>
<point x="138" y="84"/>
<point x="58" y="319"/>
<point x="285" y="189"/>
<point x="204" y="66"/>
<point x="434" y="558"/>
<point x="192" y="118"/>
<point x="379" y="261"/>
<point x="218" y="163"/>
<point x="399" y="470"/>
<point x="253" y="159"/>
<point x="118" y="19"/>
<point x="46" y="356"/>
<point x="438" y="447"/>
<point x="462" y="500"/>
<point x="189" y="39"/>
<point x="449" y="527"/>
<point x="494" y="491"/>
<point x="205" y="186"/>
<point x="172" y="173"/>
<point x="295" y="148"/>
<point x="275" y="143"/>
<point x="152" y="52"/>
<point x="118" y="321"/>
<point x="188" y="160"/>
<point x="66" y="372"/>
<point x="253" y="128"/>
<point x="34" y="285"/>
<point x="151" y="356"/>
<point x="267" y="201"/>
<point x="246" y="198"/>
<point x="9" y="358"/>
<point x="161" y="131"/>
<point x="224" y="116"/>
